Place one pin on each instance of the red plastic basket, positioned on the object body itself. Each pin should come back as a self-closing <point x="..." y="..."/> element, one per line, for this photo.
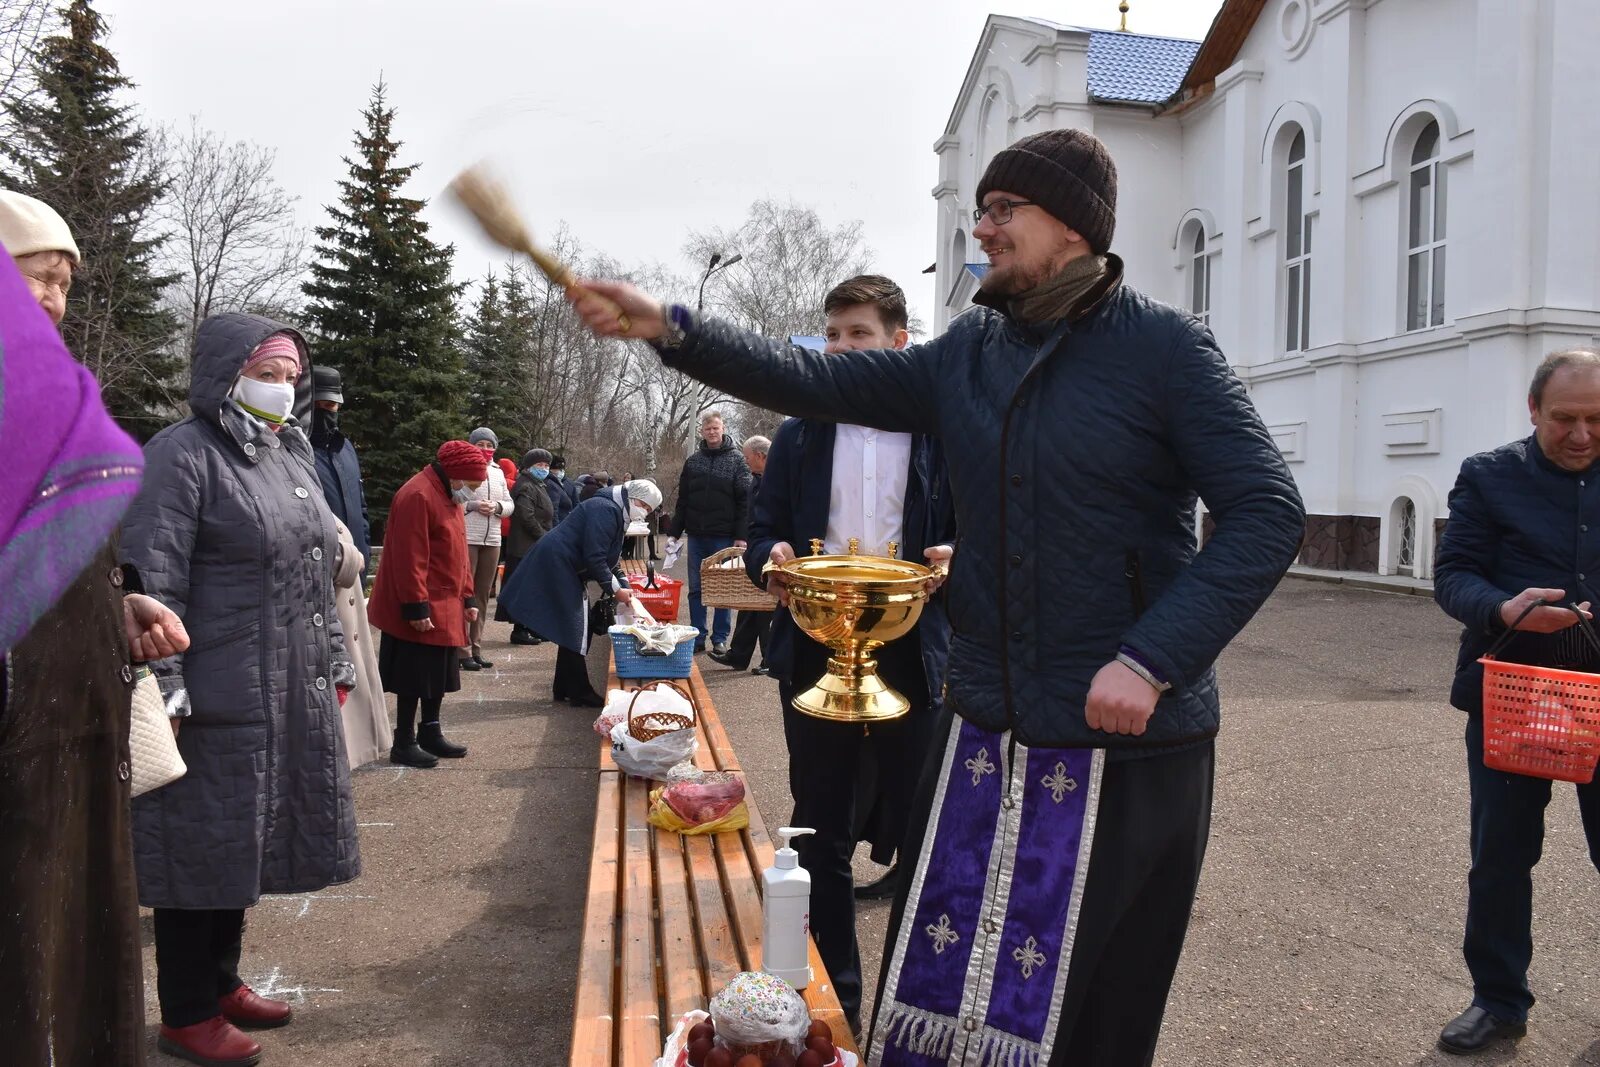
<point x="661" y="602"/>
<point x="1541" y="721"/>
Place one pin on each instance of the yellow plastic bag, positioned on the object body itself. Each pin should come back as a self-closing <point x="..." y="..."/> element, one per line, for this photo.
<point x="662" y="815"/>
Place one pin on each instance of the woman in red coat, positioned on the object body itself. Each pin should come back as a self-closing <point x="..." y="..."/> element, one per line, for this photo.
<point x="422" y="600"/>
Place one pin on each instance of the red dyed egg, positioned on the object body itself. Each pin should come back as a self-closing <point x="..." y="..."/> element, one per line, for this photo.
<point x="699" y="1030"/>
<point x="719" y="1057"/>
<point x="699" y="1049"/>
<point x="784" y="1058"/>
<point x="818" y="1028"/>
<point x="749" y="1059"/>
<point x="822" y="1046"/>
<point x="811" y="1058"/>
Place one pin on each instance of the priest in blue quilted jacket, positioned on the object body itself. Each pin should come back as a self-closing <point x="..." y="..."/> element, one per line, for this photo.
<point x="1061" y="825"/>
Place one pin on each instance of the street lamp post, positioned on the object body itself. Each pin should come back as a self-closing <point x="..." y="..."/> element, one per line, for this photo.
<point x="717" y="265"/>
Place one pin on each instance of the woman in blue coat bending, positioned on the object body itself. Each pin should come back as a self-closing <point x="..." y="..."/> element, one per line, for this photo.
<point x="552" y="588"/>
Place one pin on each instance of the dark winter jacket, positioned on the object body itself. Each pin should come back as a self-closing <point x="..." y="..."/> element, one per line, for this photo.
<point x="792" y="504"/>
<point x="1088" y="444"/>
<point x="1517" y="521"/>
<point x="339" y="471"/>
<point x="713" y="494"/>
<point x="70" y="988"/>
<point x="546" y="593"/>
<point x="561" y="499"/>
<point x="534" y="516"/>
<point x="231" y="532"/>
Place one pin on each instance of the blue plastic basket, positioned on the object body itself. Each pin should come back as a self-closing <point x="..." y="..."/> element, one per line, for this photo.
<point x="631" y="664"/>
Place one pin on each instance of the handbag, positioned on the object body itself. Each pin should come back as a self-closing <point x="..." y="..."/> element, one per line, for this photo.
<point x="602" y="615"/>
<point x="152" y="749"/>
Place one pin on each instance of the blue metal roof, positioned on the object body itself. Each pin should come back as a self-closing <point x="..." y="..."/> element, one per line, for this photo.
<point x="1137" y="69"/>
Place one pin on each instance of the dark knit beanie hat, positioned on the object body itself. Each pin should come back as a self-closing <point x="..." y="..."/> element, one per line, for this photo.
<point x="1069" y="173"/>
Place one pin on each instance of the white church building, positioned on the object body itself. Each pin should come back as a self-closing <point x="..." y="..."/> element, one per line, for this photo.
<point x="1388" y="211"/>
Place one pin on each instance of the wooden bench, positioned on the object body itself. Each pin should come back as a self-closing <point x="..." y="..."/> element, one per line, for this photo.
<point x="670" y="918"/>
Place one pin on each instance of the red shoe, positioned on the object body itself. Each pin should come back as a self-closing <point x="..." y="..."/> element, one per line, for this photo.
<point x="245" y="1007"/>
<point x="213" y="1043"/>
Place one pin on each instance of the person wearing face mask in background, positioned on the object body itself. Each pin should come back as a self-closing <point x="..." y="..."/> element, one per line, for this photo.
<point x="338" y="467"/>
<point x="554" y="585"/>
<point x="232" y="534"/>
<point x="422" y="600"/>
<point x="482" y="512"/>
<point x="535" y="516"/>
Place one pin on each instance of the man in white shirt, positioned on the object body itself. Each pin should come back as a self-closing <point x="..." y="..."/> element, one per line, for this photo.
<point x="482" y="514"/>
<point x="838" y="482"/>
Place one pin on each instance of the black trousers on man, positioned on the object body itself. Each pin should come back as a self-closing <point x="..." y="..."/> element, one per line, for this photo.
<point x="197" y="961"/>
<point x="824" y="764"/>
<point x="1144" y="868"/>
<point x="749" y="630"/>
<point x="1507" y="841"/>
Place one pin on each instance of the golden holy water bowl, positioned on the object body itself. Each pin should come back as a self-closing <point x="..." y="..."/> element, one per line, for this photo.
<point x="855" y="605"/>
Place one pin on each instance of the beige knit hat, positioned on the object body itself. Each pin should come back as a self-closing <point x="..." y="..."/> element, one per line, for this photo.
<point x="28" y="226"/>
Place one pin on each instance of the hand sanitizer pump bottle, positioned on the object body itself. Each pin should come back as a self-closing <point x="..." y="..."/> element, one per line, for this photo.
<point x="786" y="913"/>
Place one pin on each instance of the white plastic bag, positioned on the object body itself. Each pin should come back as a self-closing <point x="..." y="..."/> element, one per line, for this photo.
<point x="655" y="758"/>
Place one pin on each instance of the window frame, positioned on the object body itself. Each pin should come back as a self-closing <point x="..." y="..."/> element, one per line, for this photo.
<point x="1298" y="221"/>
<point x="1430" y="248"/>
<point x="1200" y="276"/>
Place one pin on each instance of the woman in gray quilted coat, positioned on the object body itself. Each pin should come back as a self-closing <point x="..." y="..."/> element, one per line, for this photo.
<point x="232" y="532"/>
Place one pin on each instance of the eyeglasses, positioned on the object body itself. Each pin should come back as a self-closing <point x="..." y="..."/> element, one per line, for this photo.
<point x="999" y="211"/>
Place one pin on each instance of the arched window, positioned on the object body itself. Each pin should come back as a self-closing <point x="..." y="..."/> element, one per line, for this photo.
<point x="1200" y="277"/>
<point x="1296" y="249"/>
<point x="1425" y="233"/>
<point x="1406" y="556"/>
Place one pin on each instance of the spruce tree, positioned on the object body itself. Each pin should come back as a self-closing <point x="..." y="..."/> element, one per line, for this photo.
<point x="80" y="151"/>
<point x="494" y="348"/>
<point x="383" y="307"/>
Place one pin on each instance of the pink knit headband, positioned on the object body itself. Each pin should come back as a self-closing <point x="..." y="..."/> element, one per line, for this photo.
<point x="277" y="346"/>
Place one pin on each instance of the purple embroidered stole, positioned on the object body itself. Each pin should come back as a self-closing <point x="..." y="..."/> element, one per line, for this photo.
<point x="977" y="971"/>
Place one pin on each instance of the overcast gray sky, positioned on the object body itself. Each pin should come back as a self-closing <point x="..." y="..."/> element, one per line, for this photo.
<point x="633" y="121"/>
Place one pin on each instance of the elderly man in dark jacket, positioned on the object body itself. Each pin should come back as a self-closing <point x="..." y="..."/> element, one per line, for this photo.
<point x="338" y="466"/>
<point x="713" y="511"/>
<point x="1063" y="827"/>
<point x="1517" y="564"/>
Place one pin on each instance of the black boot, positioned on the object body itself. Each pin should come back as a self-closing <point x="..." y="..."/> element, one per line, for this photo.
<point x="521" y="635"/>
<point x="431" y="738"/>
<point x="405" y="751"/>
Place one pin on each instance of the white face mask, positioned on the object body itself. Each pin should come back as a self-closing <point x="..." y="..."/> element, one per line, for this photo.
<point x="272" y="401"/>
<point x="464" y="495"/>
<point x="639" y="513"/>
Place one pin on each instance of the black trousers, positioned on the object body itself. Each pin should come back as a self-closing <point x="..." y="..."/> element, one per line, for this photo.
<point x="749" y="630"/>
<point x="1507" y="842"/>
<point x="1144" y="868"/>
<point x="824" y="768"/>
<point x="197" y="961"/>
<point x="572" y="675"/>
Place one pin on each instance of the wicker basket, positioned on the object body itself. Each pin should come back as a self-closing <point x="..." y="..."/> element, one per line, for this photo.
<point x="652" y="725"/>
<point x="731" y="588"/>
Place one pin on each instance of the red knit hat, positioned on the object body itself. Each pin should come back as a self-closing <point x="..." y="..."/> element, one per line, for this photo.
<point x="463" y="462"/>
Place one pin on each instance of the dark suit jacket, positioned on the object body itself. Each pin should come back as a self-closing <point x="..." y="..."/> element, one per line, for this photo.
<point x="792" y="505"/>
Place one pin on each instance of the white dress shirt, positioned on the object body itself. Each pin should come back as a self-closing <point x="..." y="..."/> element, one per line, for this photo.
<point x="868" y="499"/>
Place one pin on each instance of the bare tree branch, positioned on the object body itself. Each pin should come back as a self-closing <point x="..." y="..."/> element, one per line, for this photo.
<point x="237" y="245"/>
